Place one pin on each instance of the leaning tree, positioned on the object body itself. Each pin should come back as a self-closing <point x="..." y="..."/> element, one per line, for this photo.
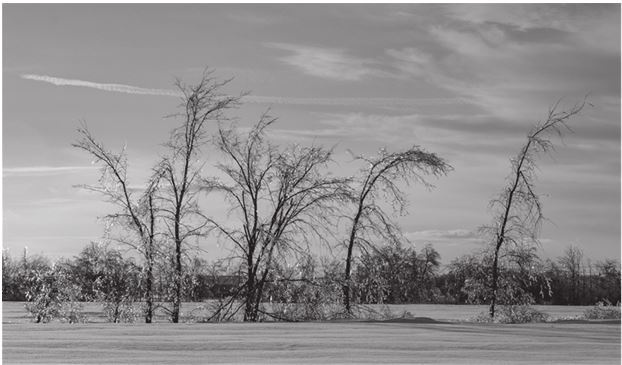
<point x="377" y="182"/>
<point x="518" y="209"/>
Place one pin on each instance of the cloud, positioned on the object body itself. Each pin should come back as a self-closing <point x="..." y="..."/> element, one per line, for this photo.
<point x="256" y="99"/>
<point x="512" y="70"/>
<point x="329" y="63"/>
<point x="447" y="133"/>
<point x="37" y="238"/>
<point x="119" y="88"/>
<point x="359" y="102"/>
<point x="355" y="127"/>
<point x="435" y="235"/>
<point x="46" y="202"/>
<point x="43" y="170"/>
<point x="546" y="22"/>
<point x="450" y="243"/>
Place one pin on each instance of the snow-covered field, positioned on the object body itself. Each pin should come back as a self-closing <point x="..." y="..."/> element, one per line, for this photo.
<point x="311" y="342"/>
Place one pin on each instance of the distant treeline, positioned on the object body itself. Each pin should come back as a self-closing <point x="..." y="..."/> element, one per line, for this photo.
<point x="389" y="275"/>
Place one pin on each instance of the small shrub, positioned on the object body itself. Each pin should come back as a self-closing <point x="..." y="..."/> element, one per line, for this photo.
<point x="602" y="311"/>
<point x="482" y="317"/>
<point x="52" y="295"/>
<point x="373" y="312"/>
<point x="513" y="314"/>
<point x="520" y="314"/>
<point x="304" y="293"/>
<point x="121" y="312"/>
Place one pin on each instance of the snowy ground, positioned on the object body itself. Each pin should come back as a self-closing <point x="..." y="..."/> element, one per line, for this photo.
<point x="315" y="342"/>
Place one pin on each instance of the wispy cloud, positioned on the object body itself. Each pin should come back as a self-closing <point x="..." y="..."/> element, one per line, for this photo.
<point x="46" y="202"/>
<point x="449" y="243"/>
<point x="355" y="127"/>
<point x="255" y="99"/>
<point x="545" y="22"/>
<point x="374" y="102"/>
<point x="434" y="235"/>
<point x="329" y="63"/>
<point x="119" y="88"/>
<point x="444" y="133"/>
<point x="43" y="170"/>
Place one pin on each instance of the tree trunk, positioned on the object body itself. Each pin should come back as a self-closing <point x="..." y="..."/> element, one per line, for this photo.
<point x="178" y="283"/>
<point x="149" y="294"/>
<point x="250" y="315"/>
<point x="495" y="279"/>
<point x="258" y="296"/>
<point x="346" y="282"/>
<point x="115" y="315"/>
<point x="149" y="259"/>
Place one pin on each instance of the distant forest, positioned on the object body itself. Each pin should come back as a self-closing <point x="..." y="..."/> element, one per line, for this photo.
<point x="389" y="275"/>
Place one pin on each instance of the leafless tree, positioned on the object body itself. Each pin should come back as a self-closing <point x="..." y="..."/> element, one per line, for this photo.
<point x="572" y="262"/>
<point x="136" y="215"/>
<point x="429" y="261"/>
<point x="281" y="199"/>
<point x="378" y="181"/>
<point x="202" y="103"/>
<point x="518" y="210"/>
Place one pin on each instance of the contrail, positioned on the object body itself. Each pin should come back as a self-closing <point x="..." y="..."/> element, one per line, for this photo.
<point x="279" y="100"/>
<point x="42" y="170"/>
<point x="377" y="102"/>
<point x="119" y="88"/>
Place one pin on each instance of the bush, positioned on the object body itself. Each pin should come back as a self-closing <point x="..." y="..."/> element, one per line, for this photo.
<point x="309" y="301"/>
<point x="306" y="291"/>
<point x="520" y="314"/>
<point x="52" y="295"/>
<point x="513" y="314"/>
<point x="602" y="311"/>
<point x="121" y="312"/>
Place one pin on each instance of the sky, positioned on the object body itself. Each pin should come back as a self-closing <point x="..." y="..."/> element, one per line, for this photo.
<point x="466" y="82"/>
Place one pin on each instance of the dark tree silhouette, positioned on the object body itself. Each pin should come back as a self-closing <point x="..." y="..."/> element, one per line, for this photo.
<point x="137" y="215"/>
<point x="518" y="210"/>
<point x="180" y="170"/>
<point x="378" y="180"/>
<point x="280" y="197"/>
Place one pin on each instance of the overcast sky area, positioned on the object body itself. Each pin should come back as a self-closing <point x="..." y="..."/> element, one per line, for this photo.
<point x="464" y="81"/>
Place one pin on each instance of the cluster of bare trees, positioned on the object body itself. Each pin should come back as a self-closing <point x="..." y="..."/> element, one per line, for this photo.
<point x="282" y="201"/>
<point x="282" y="197"/>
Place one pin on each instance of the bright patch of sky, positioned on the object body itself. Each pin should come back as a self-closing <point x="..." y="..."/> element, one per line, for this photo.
<point x="464" y="81"/>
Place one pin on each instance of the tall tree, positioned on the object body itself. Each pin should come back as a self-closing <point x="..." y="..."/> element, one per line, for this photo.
<point x="379" y="180"/>
<point x="136" y="215"/>
<point x="180" y="169"/>
<point x="518" y="210"/>
<point x="280" y="197"/>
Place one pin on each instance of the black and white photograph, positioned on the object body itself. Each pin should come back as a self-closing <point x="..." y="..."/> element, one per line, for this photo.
<point x="311" y="183"/>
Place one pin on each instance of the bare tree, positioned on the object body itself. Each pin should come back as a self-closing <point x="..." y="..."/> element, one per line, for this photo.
<point x="379" y="180"/>
<point x="572" y="262"/>
<point x="518" y="210"/>
<point x="280" y="198"/>
<point x="180" y="170"/>
<point x="429" y="262"/>
<point x="137" y="215"/>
